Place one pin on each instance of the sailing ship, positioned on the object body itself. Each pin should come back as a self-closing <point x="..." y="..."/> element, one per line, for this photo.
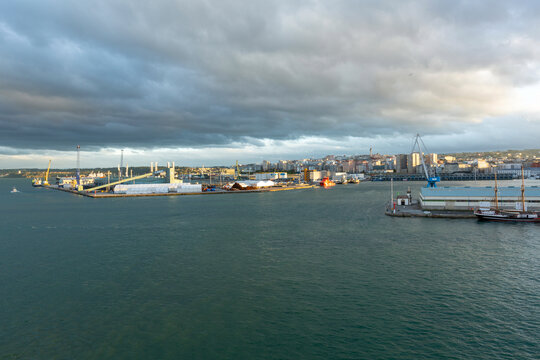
<point x="497" y="214"/>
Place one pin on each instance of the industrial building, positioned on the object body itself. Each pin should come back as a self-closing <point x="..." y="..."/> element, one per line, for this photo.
<point x="271" y="176"/>
<point x="159" y="188"/>
<point x="467" y="198"/>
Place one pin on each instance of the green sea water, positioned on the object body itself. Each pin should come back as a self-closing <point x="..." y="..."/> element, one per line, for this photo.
<point x="309" y="274"/>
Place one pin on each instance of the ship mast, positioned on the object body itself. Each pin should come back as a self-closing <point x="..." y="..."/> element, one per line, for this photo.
<point x="496" y="193"/>
<point x="522" y="190"/>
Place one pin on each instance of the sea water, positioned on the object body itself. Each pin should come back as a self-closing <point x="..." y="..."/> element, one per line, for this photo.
<point x="307" y="274"/>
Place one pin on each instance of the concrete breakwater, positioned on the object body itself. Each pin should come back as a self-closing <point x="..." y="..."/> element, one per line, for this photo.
<point x="415" y="210"/>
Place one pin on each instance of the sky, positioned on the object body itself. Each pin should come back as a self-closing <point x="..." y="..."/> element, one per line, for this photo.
<point x="210" y="82"/>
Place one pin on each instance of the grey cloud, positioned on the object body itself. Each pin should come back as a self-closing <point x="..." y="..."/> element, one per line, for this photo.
<point x="184" y="73"/>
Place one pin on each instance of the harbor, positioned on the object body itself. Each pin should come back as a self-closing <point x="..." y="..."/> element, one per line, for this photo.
<point x="385" y="158"/>
<point x="508" y="203"/>
<point x="103" y="195"/>
<point x="464" y="202"/>
<point x="169" y="182"/>
<point x="161" y="182"/>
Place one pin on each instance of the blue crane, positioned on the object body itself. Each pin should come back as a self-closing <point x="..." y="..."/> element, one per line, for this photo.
<point x="431" y="179"/>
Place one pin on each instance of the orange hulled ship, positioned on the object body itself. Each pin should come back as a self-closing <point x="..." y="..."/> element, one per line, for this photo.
<point x="326" y="182"/>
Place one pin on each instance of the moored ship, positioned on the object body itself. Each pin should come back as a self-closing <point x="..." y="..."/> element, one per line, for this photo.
<point x="519" y="215"/>
<point x="36" y="182"/>
<point x="326" y="182"/>
<point x="507" y="215"/>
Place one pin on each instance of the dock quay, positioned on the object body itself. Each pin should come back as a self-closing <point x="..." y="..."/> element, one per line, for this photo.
<point x="443" y="177"/>
<point x="461" y="202"/>
<point x="415" y="210"/>
<point x="101" y="195"/>
<point x="463" y="198"/>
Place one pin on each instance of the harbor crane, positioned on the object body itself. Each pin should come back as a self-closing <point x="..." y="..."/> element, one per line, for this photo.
<point x="121" y="181"/>
<point x="78" y="176"/>
<point x="237" y="171"/>
<point x="121" y="165"/>
<point x="431" y="178"/>
<point x="46" y="181"/>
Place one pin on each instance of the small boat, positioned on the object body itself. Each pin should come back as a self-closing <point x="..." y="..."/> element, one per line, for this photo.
<point x="326" y="182"/>
<point x="14" y="190"/>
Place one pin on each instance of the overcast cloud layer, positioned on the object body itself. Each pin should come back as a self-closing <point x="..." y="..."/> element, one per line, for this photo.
<point x="256" y="74"/>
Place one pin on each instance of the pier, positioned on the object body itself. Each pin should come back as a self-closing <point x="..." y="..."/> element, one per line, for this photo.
<point x="101" y="195"/>
<point x="415" y="210"/>
<point x="443" y="177"/>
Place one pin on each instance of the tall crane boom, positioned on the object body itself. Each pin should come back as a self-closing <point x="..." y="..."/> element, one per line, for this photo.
<point x="46" y="182"/>
<point x="78" y="166"/>
<point x="122" y="181"/>
<point x="432" y="180"/>
<point x="237" y="170"/>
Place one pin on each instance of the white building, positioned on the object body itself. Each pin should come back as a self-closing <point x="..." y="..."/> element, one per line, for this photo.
<point x="159" y="188"/>
<point x="468" y="198"/>
<point x="270" y="176"/>
<point x="413" y="161"/>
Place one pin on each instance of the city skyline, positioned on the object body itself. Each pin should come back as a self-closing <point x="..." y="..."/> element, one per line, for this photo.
<point x="203" y="83"/>
<point x="496" y="156"/>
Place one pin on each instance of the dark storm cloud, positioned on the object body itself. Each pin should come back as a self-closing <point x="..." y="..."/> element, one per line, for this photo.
<point x="197" y="73"/>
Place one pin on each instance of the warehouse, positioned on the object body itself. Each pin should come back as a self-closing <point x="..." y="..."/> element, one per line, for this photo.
<point x="467" y="198"/>
<point x="160" y="188"/>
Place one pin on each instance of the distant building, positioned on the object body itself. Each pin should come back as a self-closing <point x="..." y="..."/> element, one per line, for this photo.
<point x="361" y="167"/>
<point x="227" y="171"/>
<point x="401" y="163"/>
<point x="413" y="160"/>
<point x="270" y="176"/>
<point x="315" y="176"/>
<point x="449" y="158"/>
<point x="348" y="166"/>
<point x="451" y="168"/>
<point x="432" y="159"/>
<point x="282" y="165"/>
<point x="266" y="165"/>
<point x="516" y="173"/>
<point x="482" y="164"/>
